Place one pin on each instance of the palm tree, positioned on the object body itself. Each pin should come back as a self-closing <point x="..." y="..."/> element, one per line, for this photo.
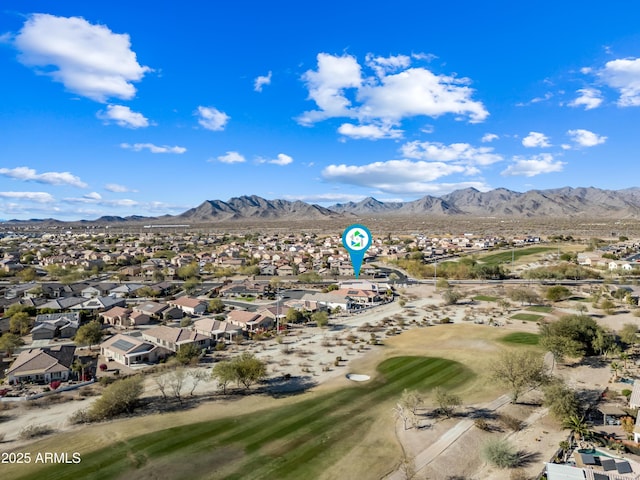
<point x="615" y="368"/>
<point x="578" y="426"/>
<point x="624" y="356"/>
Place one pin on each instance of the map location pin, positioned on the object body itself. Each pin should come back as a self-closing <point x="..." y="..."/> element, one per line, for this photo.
<point x="357" y="240"/>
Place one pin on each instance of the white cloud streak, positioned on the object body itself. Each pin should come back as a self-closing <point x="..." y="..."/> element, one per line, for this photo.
<point x="138" y="147"/>
<point x="117" y="188"/>
<point x="585" y="138"/>
<point x="123" y="116"/>
<point x="231" y="157"/>
<point x="261" y="81"/>
<point x="589" y="98"/>
<point x="39" y="197"/>
<point x="624" y="75"/>
<point x="370" y="132"/>
<point x="51" y="178"/>
<point x="212" y="119"/>
<point x="536" y="165"/>
<point x="89" y="60"/>
<point x="536" y="140"/>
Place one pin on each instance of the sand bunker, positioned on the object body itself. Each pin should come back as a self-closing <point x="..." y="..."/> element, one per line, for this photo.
<point x="357" y="377"/>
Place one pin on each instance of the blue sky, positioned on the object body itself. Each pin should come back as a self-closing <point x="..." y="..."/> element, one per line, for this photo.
<point x="147" y="108"/>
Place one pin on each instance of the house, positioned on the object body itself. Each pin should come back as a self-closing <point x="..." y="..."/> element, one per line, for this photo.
<point x="53" y="325"/>
<point x="117" y="316"/>
<point x="42" y="365"/>
<point x="363" y="297"/>
<point x="100" y="303"/>
<point x="152" y="309"/>
<point x="98" y="290"/>
<point x="189" y="305"/>
<point x="126" y="290"/>
<point x="330" y="300"/>
<point x="173" y="338"/>
<point x="63" y="303"/>
<point x="129" y="350"/>
<point x="216" y="329"/>
<point x="249" y="321"/>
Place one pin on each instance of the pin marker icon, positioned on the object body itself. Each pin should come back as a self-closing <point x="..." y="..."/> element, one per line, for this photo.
<point x="357" y="240"/>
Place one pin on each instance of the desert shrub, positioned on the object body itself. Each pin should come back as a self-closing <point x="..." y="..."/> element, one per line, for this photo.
<point x="482" y="424"/>
<point x="512" y="423"/>
<point x="626" y="392"/>
<point x="33" y="431"/>
<point x="500" y="453"/>
<point x="79" y="416"/>
<point x="119" y="397"/>
<point x="220" y="346"/>
<point x="518" y="475"/>
<point x="104" y="381"/>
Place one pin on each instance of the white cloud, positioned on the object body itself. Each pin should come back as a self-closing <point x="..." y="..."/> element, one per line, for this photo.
<point x="231" y="157"/>
<point x="116" y="188"/>
<point x="489" y="137"/>
<point x="590" y="98"/>
<point x="282" y="160"/>
<point x="261" y="81"/>
<point x="326" y="87"/>
<point x="624" y="75"/>
<point x="327" y="197"/>
<point x="392" y="93"/>
<point x="89" y="60"/>
<point x="211" y="118"/>
<point x="384" y="65"/>
<point x="40" y="197"/>
<point x="138" y="147"/>
<point x="123" y="116"/>
<point x="536" y="165"/>
<point x="93" y="196"/>
<point x="461" y="153"/>
<point x="585" y="138"/>
<point x="371" y="132"/>
<point x="386" y="175"/>
<point x="536" y="139"/>
<point x="51" y="178"/>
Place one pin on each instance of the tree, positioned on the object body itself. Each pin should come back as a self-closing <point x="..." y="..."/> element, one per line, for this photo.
<point x="189" y="271"/>
<point x="20" y="323"/>
<point x="215" y="306"/>
<point x="294" y="316"/>
<point x="519" y="370"/>
<point x="9" y="342"/>
<point x="410" y="400"/>
<point x="628" y="425"/>
<point x="176" y="382"/>
<point x="629" y="334"/>
<point x="608" y="306"/>
<point x="561" y="401"/>
<point x="89" y="334"/>
<point x="447" y="402"/>
<point x="224" y="373"/>
<point x="603" y="342"/>
<point x="578" y="426"/>
<point x="27" y="274"/>
<point x="187" y="353"/>
<point x="405" y="414"/>
<point x="615" y="368"/>
<point x="162" y="382"/>
<point x="196" y="377"/>
<point x="78" y="367"/>
<point x="523" y="295"/>
<point x="320" y="318"/>
<point x="571" y="335"/>
<point x="191" y="284"/>
<point x="557" y="293"/>
<point x="119" y="397"/>
<point x="248" y="369"/>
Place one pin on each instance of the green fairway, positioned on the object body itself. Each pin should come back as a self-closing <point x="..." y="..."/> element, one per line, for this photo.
<point x="295" y="441"/>
<point x="527" y="317"/>
<point x="521" y="338"/>
<point x="540" y="308"/>
<point x="506" y="256"/>
<point x="485" y="298"/>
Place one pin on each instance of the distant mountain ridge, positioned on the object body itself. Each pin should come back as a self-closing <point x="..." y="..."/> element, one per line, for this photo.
<point x="589" y="202"/>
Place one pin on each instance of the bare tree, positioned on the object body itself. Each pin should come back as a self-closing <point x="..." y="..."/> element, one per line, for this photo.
<point x="176" y="382"/>
<point x="196" y="377"/>
<point x="162" y="381"/>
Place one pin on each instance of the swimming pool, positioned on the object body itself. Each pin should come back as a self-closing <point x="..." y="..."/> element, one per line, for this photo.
<point x="596" y="452"/>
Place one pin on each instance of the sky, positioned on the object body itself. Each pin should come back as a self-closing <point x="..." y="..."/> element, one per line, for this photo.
<point x="151" y="108"/>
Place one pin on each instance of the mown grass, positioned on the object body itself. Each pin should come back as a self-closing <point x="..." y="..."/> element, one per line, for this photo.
<point x="294" y="441"/>
<point x="506" y="256"/>
<point x="485" y="298"/>
<point x="540" y="308"/>
<point x="521" y="338"/>
<point x="527" y="317"/>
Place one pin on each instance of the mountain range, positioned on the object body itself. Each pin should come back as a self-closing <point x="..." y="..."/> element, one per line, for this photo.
<point x="588" y="202"/>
